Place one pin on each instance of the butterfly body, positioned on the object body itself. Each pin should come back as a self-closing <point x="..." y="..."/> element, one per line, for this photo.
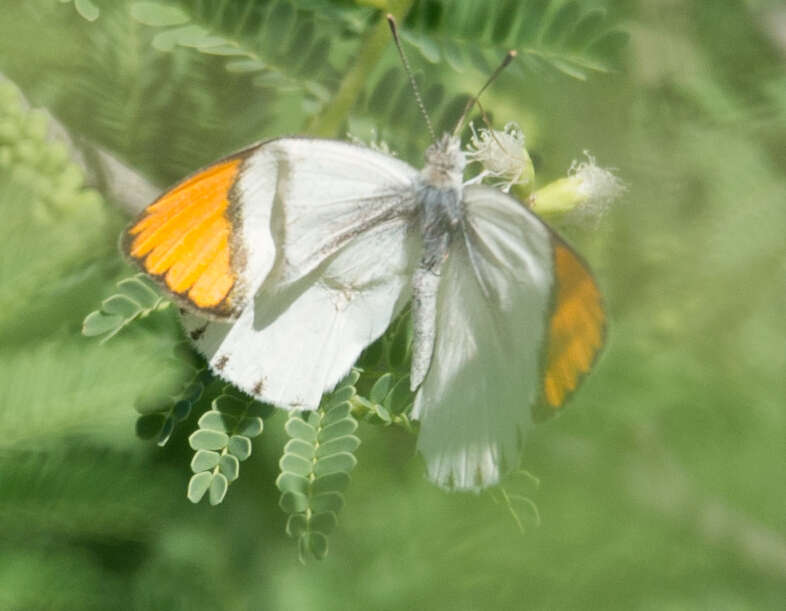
<point x="438" y="193"/>
<point x="294" y="255"/>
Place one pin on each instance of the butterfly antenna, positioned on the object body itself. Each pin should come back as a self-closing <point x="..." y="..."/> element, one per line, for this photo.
<point x="474" y="100"/>
<point x="486" y="120"/>
<point x="418" y="98"/>
<point x="484" y="116"/>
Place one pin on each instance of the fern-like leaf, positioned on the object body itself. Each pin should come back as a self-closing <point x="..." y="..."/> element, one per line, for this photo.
<point x="562" y="35"/>
<point x="275" y="43"/>
<point x="161" y="423"/>
<point x="222" y="442"/>
<point x="136" y="298"/>
<point x="384" y="396"/>
<point x="316" y="467"/>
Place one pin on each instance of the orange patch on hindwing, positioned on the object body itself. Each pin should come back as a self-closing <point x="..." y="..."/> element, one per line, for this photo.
<point x="184" y="238"/>
<point x="576" y="329"/>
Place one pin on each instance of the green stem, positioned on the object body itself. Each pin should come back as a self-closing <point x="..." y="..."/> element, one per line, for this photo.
<point x="329" y="122"/>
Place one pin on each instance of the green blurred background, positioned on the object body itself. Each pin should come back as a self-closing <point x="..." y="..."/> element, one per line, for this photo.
<point x="661" y="487"/>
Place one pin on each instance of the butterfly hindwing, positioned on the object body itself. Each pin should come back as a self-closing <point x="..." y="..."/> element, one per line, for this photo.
<point x="290" y="356"/>
<point x="576" y="330"/>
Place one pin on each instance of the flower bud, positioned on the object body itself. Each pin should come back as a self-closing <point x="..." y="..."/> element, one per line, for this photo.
<point x="586" y="193"/>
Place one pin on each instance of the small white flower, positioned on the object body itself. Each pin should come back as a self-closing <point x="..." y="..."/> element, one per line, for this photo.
<point x="502" y="154"/>
<point x="597" y="188"/>
<point x="582" y="197"/>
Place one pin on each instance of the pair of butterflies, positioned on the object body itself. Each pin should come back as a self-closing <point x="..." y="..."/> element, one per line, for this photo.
<point x="292" y="256"/>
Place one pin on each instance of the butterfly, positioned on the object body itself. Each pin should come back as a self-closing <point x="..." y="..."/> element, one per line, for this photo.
<point x="290" y="257"/>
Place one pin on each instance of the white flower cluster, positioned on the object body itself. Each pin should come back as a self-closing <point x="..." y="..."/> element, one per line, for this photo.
<point x="502" y="154"/>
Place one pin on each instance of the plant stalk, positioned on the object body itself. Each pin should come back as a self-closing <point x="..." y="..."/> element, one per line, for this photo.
<point x="329" y="122"/>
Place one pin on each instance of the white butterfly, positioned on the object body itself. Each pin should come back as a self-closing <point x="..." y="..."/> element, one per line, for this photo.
<point x="293" y="255"/>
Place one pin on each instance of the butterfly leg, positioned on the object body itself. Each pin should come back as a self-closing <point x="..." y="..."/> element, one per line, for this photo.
<point x="440" y="216"/>
<point x="425" y="283"/>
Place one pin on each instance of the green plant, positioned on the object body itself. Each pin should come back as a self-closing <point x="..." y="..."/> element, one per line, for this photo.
<point x="658" y="487"/>
<point x="275" y="47"/>
<point x="316" y="467"/>
<point x="222" y="442"/>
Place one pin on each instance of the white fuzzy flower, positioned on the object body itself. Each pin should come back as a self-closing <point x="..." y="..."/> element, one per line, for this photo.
<point x="597" y="188"/>
<point x="582" y="196"/>
<point x="502" y="154"/>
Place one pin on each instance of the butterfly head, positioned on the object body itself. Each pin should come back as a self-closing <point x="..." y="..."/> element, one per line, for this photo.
<point x="445" y="163"/>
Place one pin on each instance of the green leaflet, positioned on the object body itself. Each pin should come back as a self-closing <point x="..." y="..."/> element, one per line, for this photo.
<point x="157" y="14"/>
<point x="383" y="377"/>
<point x="86" y="8"/>
<point x="315" y="469"/>
<point x="136" y="298"/>
<point x="222" y="440"/>
<point x="159" y="418"/>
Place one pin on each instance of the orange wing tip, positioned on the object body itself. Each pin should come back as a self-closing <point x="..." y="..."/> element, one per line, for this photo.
<point x="183" y="239"/>
<point x="575" y="333"/>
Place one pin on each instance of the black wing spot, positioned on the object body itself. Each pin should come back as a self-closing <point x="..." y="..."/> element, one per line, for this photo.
<point x="198" y="332"/>
<point x="221" y="362"/>
<point x="259" y="386"/>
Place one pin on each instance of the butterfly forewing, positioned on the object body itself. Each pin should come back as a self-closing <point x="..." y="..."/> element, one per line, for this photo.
<point x="327" y="193"/>
<point x="344" y="246"/>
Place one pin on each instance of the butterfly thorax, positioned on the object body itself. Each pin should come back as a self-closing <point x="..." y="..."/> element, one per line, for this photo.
<point x="438" y="194"/>
<point x="445" y="163"/>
